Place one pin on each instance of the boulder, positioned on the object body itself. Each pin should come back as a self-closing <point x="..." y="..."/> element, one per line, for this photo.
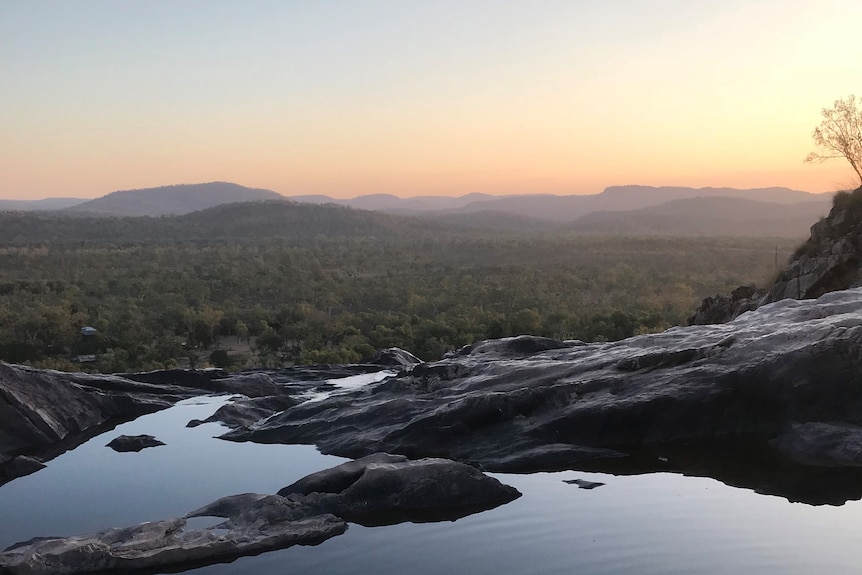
<point x="337" y="479"/>
<point x="429" y="489"/>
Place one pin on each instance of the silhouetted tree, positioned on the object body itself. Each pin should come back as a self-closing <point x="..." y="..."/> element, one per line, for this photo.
<point x="840" y="135"/>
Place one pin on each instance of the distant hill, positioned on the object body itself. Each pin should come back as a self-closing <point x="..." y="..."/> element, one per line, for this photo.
<point x="559" y="208"/>
<point x="39" y="205"/>
<point x="709" y="216"/>
<point x="303" y="223"/>
<point x="621" y="198"/>
<point x="299" y="223"/>
<point x="172" y="200"/>
<point x="394" y="204"/>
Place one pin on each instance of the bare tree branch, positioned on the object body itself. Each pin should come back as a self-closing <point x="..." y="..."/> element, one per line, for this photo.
<point x="840" y="135"/>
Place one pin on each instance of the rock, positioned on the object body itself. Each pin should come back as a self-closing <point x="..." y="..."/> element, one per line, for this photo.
<point x="214" y="380"/>
<point x="513" y="347"/>
<point x="830" y="260"/>
<point x="126" y="443"/>
<point x="247" y="411"/>
<point x="337" y="479"/>
<point x="43" y="412"/>
<point x="831" y="444"/>
<point x="583" y="483"/>
<point x="700" y="387"/>
<point x="381" y="489"/>
<point x="722" y="308"/>
<point x="394" y="356"/>
<point x="254" y="524"/>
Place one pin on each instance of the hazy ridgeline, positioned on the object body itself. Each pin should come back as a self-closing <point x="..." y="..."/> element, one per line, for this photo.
<point x="314" y="284"/>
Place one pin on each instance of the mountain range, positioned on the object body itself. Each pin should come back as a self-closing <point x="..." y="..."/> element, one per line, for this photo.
<point x="618" y="209"/>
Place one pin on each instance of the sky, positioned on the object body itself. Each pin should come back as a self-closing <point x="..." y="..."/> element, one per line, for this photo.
<point x="410" y="97"/>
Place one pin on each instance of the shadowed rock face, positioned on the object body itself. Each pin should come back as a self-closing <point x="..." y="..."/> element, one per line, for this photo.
<point x="501" y="406"/>
<point x="830" y="260"/>
<point x="381" y="489"/>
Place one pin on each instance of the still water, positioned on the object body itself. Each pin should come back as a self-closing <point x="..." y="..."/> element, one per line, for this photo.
<point x="647" y="524"/>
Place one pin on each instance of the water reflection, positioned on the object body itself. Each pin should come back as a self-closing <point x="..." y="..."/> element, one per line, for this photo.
<point x="654" y="523"/>
<point x="94" y="487"/>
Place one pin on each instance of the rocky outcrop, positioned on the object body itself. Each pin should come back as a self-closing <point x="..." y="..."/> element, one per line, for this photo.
<point x="380" y="490"/>
<point x="500" y="406"/>
<point x="830" y="260"/>
<point x="135" y="443"/>
<point x="723" y="308"/>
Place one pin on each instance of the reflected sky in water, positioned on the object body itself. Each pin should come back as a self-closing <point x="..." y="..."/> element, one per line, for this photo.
<point x="648" y="524"/>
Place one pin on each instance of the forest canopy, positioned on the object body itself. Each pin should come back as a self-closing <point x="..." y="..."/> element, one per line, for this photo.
<point x="211" y="294"/>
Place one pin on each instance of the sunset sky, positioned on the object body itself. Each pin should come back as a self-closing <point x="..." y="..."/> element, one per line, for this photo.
<point x="441" y="97"/>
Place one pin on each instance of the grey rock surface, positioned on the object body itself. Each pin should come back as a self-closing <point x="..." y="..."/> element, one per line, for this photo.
<point x="502" y="407"/>
<point x="381" y="490"/>
<point x="337" y="479"/>
<point x="253" y="524"/>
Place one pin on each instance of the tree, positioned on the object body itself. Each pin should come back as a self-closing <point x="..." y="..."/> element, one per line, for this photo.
<point x="840" y="135"/>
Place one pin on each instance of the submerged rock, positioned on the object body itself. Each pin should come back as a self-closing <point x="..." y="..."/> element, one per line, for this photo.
<point x="380" y="489"/>
<point x="504" y="408"/>
<point x="127" y="443"/>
